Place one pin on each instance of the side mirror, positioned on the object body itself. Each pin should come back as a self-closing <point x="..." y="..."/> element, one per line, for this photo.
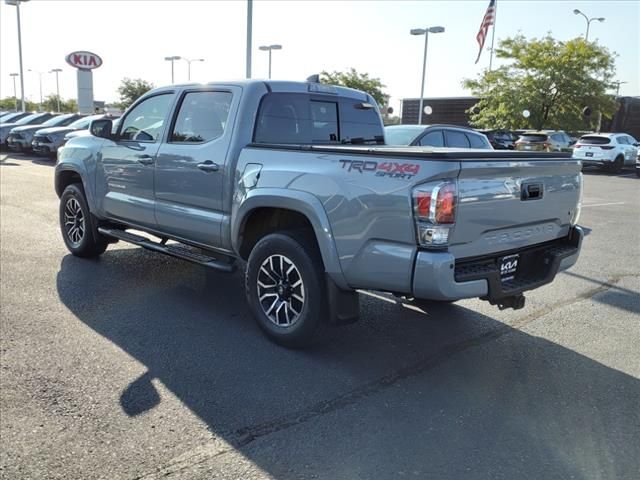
<point x="101" y="128"/>
<point x="637" y="144"/>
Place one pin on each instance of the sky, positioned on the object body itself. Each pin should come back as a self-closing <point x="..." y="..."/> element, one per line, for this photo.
<point x="133" y="37"/>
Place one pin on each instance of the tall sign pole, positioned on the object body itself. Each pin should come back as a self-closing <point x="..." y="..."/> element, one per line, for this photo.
<point x="249" y="31"/>
<point x="493" y="34"/>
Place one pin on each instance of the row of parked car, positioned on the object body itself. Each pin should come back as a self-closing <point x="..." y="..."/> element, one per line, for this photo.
<point x="42" y="133"/>
<point x="609" y="151"/>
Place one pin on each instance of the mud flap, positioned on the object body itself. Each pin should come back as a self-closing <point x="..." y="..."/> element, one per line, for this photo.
<point x="344" y="305"/>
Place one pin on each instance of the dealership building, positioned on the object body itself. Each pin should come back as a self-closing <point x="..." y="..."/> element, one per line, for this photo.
<point x="454" y="111"/>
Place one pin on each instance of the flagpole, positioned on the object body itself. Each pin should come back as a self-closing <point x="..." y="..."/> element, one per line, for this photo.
<point x="493" y="32"/>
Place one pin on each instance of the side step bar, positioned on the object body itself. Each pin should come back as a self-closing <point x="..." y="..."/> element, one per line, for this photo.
<point x="178" y="251"/>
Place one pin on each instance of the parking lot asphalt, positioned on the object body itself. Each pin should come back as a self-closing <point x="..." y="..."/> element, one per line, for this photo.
<point x="138" y="365"/>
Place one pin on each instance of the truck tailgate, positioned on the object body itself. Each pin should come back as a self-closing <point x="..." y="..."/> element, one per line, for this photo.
<point x="511" y="204"/>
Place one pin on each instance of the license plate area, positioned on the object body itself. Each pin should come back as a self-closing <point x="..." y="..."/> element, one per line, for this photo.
<point x="508" y="267"/>
<point x="588" y="154"/>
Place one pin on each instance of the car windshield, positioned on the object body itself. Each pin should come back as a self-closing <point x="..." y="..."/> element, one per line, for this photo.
<point x="401" y="135"/>
<point x="7" y="118"/>
<point x="534" y="137"/>
<point x="594" y="140"/>
<point x="59" y="121"/>
<point x="26" y="120"/>
<point x="83" y="123"/>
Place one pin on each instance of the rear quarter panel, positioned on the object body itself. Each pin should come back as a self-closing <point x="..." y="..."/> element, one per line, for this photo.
<point x="366" y="199"/>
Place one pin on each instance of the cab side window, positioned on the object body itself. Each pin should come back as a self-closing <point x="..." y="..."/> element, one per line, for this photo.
<point x="477" y="141"/>
<point x="145" y="122"/>
<point x="202" y="117"/>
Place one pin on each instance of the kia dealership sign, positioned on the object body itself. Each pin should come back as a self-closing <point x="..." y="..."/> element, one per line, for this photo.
<point x="83" y="60"/>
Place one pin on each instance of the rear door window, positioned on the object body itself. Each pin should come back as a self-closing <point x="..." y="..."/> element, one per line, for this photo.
<point x="477" y="141"/>
<point x="433" y="139"/>
<point x="456" y="139"/>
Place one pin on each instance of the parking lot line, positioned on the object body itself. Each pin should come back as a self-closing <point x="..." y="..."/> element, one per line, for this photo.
<point x="603" y="204"/>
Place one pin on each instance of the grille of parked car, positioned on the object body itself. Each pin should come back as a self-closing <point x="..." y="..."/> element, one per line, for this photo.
<point x="42" y="138"/>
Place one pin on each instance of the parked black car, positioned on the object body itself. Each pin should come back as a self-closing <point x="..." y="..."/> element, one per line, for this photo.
<point x="501" y="139"/>
<point x="435" y="136"/>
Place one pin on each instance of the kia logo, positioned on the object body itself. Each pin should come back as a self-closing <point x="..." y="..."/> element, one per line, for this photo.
<point x="83" y="60"/>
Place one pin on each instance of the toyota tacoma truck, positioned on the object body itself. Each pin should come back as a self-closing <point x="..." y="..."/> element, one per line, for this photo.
<point x="292" y="180"/>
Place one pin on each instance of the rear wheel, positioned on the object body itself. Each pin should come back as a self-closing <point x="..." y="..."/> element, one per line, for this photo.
<point x="78" y="233"/>
<point x="285" y="288"/>
<point x="617" y="164"/>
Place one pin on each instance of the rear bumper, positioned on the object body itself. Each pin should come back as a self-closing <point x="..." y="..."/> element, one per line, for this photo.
<point x="438" y="276"/>
<point x="596" y="162"/>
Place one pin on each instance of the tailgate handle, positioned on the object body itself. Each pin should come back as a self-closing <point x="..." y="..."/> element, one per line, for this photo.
<point x="531" y="191"/>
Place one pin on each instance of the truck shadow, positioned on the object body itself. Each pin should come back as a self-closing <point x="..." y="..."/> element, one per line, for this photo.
<point x="475" y="398"/>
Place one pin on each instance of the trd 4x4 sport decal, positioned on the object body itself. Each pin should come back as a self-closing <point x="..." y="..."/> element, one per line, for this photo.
<point x="382" y="169"/>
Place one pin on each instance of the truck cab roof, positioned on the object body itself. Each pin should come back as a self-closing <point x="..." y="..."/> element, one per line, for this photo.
<point x="283" y="86"/>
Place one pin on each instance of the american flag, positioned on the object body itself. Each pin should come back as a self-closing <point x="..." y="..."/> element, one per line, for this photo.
<point x="487" y="21"/>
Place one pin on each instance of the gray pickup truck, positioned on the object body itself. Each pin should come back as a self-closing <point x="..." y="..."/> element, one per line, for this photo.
<point x="294" y="179"/>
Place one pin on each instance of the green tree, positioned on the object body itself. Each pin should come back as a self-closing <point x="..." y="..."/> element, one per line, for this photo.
<point x="8" y="103"/>
<point x="132" y="89"/>
<point x="359" y="81"/>
<point x="50" y="104"/>
<point x="551" y="79"/>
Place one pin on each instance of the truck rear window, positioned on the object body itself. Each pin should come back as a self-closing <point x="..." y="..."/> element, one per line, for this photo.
<point x="300" y="118"/>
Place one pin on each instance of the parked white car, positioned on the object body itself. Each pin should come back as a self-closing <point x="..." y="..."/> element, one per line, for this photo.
<point x="610" y="151"/>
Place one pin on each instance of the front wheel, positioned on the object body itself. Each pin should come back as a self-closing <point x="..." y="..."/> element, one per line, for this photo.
<point x="77" y="229"/>
<point x="285" y="288"/>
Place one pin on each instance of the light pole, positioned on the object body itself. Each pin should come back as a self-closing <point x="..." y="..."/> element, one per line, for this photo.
<point x="617" y="83"/>
<point x="268" y="48"/>
<point x="15" y="93"/>
<point x="249" y="34"/>
<point x="589" y="20"/>
<point x="425" y="32"/>
<point x="172" y="59"/>
<point x="57" y="71"/>
<point x="16" y="3"/>
<point x="40" y="74"/>
<point x="189" y="60"/>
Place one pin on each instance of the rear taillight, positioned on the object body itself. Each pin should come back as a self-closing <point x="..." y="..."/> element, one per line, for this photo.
<point x="577" y="145"/>
<point x="434" y="207"/>
<point x="546" y="146"/>
<point x="607" y="147"/>
<point x="576" y="213"/>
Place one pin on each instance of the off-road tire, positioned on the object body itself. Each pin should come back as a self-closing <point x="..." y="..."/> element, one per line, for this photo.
<point x="299" y="255"/>
<point x="83" y="240"/>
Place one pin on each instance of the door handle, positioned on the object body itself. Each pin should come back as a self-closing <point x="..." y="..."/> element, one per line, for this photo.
<point x="208" y="166"/>
<point x="144" y="159"/>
